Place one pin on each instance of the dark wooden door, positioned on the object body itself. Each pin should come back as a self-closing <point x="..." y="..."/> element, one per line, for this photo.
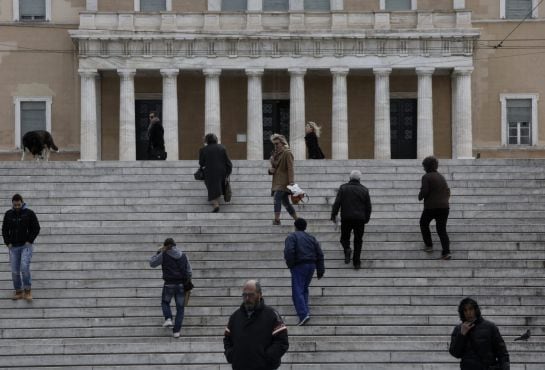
<point x="142" y="110"/>
<point x="403" y="119"/>
<point x="276" y="120"/>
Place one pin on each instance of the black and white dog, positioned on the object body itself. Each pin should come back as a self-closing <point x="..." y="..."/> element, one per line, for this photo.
<point x="39" y="143"/>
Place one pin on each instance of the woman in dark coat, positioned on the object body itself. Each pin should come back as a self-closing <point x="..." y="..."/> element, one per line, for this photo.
<point x="156" y="141"/>
<point x="312" y="131"/>
<point x="217" y="167"/>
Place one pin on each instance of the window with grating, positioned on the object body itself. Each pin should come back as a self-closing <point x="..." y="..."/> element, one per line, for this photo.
<point x="317" y="5"/>
<point x="32" y="116"/>
<point x="234" y="5"/>
<point x="153" y="5"/>
<point x="31" y="10"/>
<point x="517" y="9"/>
<point x="398" y="5"/>
<point x="519" y="121"/>
<point x="276" y="5"/>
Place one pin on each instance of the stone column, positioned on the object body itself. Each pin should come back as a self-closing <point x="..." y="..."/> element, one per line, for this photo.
<point x="89" y="126"/>
<point x="297" y="112"/>
<point x="91" y="5"/>
<point x="254" y="137"/>
<point x="462" y="125"/>
<point x="458" y="4"/>
<point x="127" y="129"/>
<point x="212" y="102"/>
<point x="339" y="119"/>
<point x="424" y="131"/>
<point x="170" y="112"/>
<point x="382" y="113"/>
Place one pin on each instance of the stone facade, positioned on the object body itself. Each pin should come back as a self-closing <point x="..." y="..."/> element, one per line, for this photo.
<point x="348" y="68"/>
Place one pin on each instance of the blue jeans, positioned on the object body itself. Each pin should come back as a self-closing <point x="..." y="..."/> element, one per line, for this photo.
<point x="282" y="197"/>
<point x="176" y="291"/>
<point x="20" y="258"/>
<point x="301" y="276"/>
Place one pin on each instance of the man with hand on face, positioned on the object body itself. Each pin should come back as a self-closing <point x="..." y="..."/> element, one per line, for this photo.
<point x="476" y="341"/>
<point x="256" y="337"/>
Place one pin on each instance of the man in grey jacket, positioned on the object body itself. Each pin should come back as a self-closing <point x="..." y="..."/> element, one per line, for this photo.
<point x="177" y="277"/>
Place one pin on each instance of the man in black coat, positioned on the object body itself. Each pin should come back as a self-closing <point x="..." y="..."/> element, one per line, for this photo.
<point x="19" y="229"/>
<point x="476" y="341"/>
<point x="355" y="204"/>
<point x="217" y="167"/>
<point x="156" y="140"/>
<point x="256" y="337"/>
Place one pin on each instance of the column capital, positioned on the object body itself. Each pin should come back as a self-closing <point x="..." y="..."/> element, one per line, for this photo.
<point x="339" y="71"/>
<point x="254" y="72"/>
<point x="424" y="71"/>
<point x="297" y="71"/>
<point x="211" y="72"/>
<point x="462" y="71"/>
<point x="126" y="72"/>
<point x="382" y="71"/>
<point x="88" y="72"/>
<point x="169" y="72"/>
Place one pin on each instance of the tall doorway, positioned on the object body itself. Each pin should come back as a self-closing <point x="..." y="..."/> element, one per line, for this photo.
<point x="142" y="110"/>
<point x="403" y="123"/>
<point x="276" y="120"/>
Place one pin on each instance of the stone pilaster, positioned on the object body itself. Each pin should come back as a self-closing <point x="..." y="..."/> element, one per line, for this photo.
<point x="297" y="112"/>
<point x="254" y="131"/>
<point x="462" y="124"/>
<point x="382" y="113"/>
<point x="127" y="129"/>
<point x="170" y="112"/>
<point x="89" y="125"/>
<point x="424" y="146"/>
<point x="339" y="119"/>
<point x="212" y="102"/>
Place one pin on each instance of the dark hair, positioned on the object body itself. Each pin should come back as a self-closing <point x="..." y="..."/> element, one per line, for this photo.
<point x="17" y="198"/>
<point x="468" y="301"/>
<point x="211" y="139"/>
<point x="169" y="242"/>
<point x="300" y="224"/>
<point x="430" y="164"/>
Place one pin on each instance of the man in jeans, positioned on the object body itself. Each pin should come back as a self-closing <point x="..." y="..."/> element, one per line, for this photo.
<point x="177" y="275"/>
<point x="303" y="255"/>
<point x="19" y="229"/>
<point x="355" y="204"/>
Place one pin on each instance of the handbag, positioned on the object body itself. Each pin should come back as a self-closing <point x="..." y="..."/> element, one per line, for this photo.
<point x="227" y="193"/>
<point x="199" y="174"/>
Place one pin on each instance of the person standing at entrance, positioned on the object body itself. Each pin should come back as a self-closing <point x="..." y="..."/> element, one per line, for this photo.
<point x="156" y="140"/>
<point x="19" y="230"/>
<point x="355" y="204"/>
<point x="312" y="131"/>
<point x="282" y="171"/>
<point x="435" y="193"/>
<point x="303" y="255"/>
<point x="217" y="166"/>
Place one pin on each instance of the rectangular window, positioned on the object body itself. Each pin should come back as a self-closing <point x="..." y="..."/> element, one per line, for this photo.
<point x="393" y="5"/>
<point x="32" y="10"/>
<point x="317" y="5"/>
<point x="234" y="5"/>
<point x="153" y="5"/>
<point x="33" y="116"/>
<point x="519" y="120"/>
<point x="517" y="9"/>
<point x="276" y="5"/>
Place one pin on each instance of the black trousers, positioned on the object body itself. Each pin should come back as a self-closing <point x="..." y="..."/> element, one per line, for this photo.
<point x="346" y="230"/>
<point x="440" y="215"/>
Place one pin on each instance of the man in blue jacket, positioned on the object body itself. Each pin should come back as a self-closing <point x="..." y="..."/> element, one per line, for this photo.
<point x="303" y="255"/>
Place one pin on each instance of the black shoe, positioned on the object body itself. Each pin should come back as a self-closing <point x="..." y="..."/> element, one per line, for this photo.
<point x="445" y="257"/>
<point x="428" y="249"/>
<point x="304" y="321"/>
<point x="357" y="266"/>
<point x="347" y="254"/>
<point x="216" y="210"/>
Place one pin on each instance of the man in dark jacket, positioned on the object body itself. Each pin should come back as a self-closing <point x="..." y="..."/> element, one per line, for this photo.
<point x="217" y="166"/>
<point x="19" y="229"/>
<point x="476" y="341"/>
<point x="256" y="337"/>
<point x="355" y="204"/>
<point x="303" y="255"/>
<point x="177" y="277"/>
<point x="156" y="139"/>
<point x="436" y="194"/>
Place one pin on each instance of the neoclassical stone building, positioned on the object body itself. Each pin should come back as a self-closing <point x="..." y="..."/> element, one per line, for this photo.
<point x="384" y="78"/>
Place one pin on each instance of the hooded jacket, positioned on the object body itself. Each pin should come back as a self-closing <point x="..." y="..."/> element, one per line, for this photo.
<point x="20" y="227"/>
<point x="257" y="342"/>
<point x="175" y="265"/>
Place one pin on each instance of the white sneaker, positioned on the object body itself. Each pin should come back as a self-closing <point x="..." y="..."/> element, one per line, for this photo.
<point x="176" y="335"/>
<point x="167" y="323"/>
